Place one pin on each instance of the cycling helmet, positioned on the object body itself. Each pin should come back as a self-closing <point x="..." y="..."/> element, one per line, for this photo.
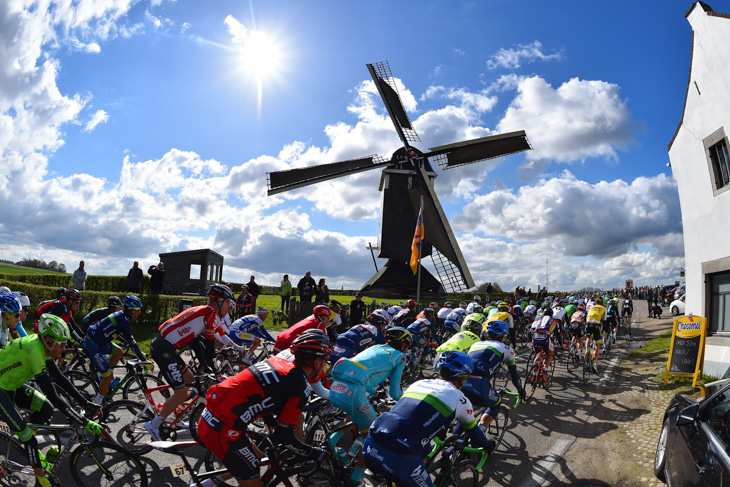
<point x="599" y="300"/>
<point x="497" y="328"/>
<point x="322" y="312"/>
<point x="548" y="312"/>
<point x="72" y="295"/>
<point x="455" y="364"/>
<point x="401" y="304"/>
<point x="24" y="301"/>
<point x="429" y="313"/>
<point x="477" y="299"/>
<point x="462" y="304"/>
<point x="54" y="327"/>
<point x="532" y="303"/>
<point x="60" y="291"/>
<point x="114" y="302"/>
<point x="245" y="286"/>
<point x="262" y="312"/>
<point x="472" y="326"/>
<point x="133" y="302"/>
<point x="434" y="305"/>
<point x="502" y="306"/>
<point x="411" y="303"/>
<point x="219" y="292"/>
<point x="377" y="320"/>
<point x="448" y="304"/>
<point x="396" y="337"/>
<point x="310" y="345"/>
<point x="571" y="299"/>
<point x="335" y="306"/>
<point x="384" y="305"/>
<point x="4" y="290"/>
<point x="582" y="306"/>
<point x="478" y="308"/>
<point x="9" y="304"/>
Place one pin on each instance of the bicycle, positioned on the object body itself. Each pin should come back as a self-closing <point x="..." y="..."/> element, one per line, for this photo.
<point x="588" y="358"/>
<point x="624" y="330"/>
<point x="538" y="374"/>
<point x="575" y="356"/>
<point x="499" y="425"/>
<point x="450" y="470"/>
<point x="95" y="461"/>
<point x="126" y="417"/>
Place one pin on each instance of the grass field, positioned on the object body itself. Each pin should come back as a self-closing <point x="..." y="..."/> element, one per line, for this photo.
<point x="19" y="269"/>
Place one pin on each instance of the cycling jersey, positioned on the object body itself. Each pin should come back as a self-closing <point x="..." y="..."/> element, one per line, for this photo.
<point x="355" y="340"/>
<point x="459" y="342"/>
<point x="94" y="316"/>
<point x="193" y="322"/>
<point x="488" y="356"/>
<point x="569" y="310"/>
<point x="404" y="317"/>
<point x="443" y="313"/>
<point x="62" y="310"/>
<point x="356" y="377"/>
<point x="98" y="339"/>
<point x="284" y="339"/>
<point x="559" y="313"/>
<point x="247" y="329"/>
<point x="627" y="307"/>
<point x="420" y="330"/>
<point x="542" y="337"/>
<point x="393" y="311"/>
<point x="454" y="319"/>
<point x="500" y="316"/>
<point x="596" y="314"/>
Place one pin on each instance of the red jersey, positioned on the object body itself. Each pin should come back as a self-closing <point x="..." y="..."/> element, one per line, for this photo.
<point x="284" y="339"/>
<point x="191" y="323"/>
<point x="275" y="386"/>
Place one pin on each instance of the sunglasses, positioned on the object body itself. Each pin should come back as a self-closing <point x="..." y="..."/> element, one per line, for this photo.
<point x="62" y="344"/>
<point x="135" y="309"/>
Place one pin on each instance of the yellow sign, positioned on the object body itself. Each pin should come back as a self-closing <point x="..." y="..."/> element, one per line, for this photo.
<point x="687" y="351"/>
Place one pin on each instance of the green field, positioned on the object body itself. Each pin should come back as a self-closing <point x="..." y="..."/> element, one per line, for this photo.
<point x="19" y="269"/>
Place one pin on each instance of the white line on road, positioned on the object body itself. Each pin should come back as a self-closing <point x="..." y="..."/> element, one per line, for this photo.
<point x="543" y="468"/>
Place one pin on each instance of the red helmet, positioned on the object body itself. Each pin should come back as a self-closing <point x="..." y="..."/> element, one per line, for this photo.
<point x="434" y="305"/>
<point x="322" y="312"/>
<point x="411" y="302"/>
<point x="311" y="344"/>
<point x="218" y="291"/>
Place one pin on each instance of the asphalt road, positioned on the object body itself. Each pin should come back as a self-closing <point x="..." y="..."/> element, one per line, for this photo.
<point x="541" y="431"/>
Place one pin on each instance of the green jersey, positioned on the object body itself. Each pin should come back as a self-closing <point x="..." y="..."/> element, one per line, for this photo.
<point x="21" y="360"/>
<point x="459" y="342"/>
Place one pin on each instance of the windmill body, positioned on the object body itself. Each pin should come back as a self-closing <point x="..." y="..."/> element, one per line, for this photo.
<point x="406" y="177"/>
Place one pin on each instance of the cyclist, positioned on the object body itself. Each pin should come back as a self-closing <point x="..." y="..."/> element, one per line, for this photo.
<point x="10" y="309"/>
<point x="24" y="310"/>
<point x="530" y="311"/>
<point x="422" y="329"/>
<point x="612" y="317"/>
<point x="487" y="356"/>
<point x="627" y="309"/>
<point x="334" y="325"/>
<point x="443" y="313"/>
<point x="357" y="377"/>
<point x="275" y="389"/>
<point x="318" y="319"/>
<point x="358" y="338"/>
<point x="63" y="306"/>
<point x="454" y="319"/>
<point x="35" y="356"/>
<point x="469" y="335"/>
<point x="577" y="325"/>
<point x="98" y="342"/>
<point x="406" y="315"/>
<point x="113" y="304"/>
<point x="503" y="314"/>
<point x="250" y="330"/>
<point x="187" y="329"/>
<point x="594" y="324"/>
<point x="400" y="439"/>
<point x="542" y="338"/>
<point x="392" y="311"/>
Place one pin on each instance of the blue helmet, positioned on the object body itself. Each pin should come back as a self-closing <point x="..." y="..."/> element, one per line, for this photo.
<point x="131" y="301"/>
<point x="9" y="303"/>
<point x="498" y="328"/>
<point x="455" y="364"/>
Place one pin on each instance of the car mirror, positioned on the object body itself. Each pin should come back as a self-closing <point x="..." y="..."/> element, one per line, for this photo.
<point x="687" y="415"/>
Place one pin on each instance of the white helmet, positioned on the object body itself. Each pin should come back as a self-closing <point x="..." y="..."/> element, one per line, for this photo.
<point x="477" y="299"/>
<point x="5" y="290"/>
<point x="24" y="301"/>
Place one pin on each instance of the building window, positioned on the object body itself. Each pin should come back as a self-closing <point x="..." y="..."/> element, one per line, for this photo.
<point x="718" y="158"/>
<point x="720" y="302"/>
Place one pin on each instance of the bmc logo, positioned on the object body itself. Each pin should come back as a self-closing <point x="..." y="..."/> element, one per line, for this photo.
<point x="183" y="331"/>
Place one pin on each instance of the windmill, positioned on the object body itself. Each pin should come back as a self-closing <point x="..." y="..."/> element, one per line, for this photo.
<point x="406" y="177"/>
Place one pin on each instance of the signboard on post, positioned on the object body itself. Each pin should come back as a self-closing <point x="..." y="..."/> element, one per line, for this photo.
<point x="687" y="351"/>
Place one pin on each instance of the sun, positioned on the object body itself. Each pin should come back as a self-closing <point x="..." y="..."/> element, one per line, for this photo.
<point x="260" y="56"/>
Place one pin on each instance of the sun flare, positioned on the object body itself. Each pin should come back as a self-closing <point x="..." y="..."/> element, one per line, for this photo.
<point x="261" y="56"/>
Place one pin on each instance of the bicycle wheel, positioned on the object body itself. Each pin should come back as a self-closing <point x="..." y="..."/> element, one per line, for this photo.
<point x="498" y="426"/>
<point x="501" y="377"/>
<point x="528" y="365"/>
<point x="463" y="474"/>
<point x="83" y="383"/>
<point x="572" y="361"/>
<point x="16" y="466"/>
<point x="195" y="414"/>
<point x="101" y="463"/>
<point x="131" y="389"/>
<point x="587" y="363"/>
<point x="125" y="419"/>
<point x="532" y="381"/>
<point x="549" y="373"/>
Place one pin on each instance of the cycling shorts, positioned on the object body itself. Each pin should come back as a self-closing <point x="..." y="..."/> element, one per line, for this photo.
<point x="577" y="332"/>
<point x="542" y="340"/>
<point x="607" y="325"/>
<point x="98" y="355"/>
<point x="232" y="447"/>
<point x="405" y="469"/>
<point x="172" y="366"/>
<point x="479" y="391"/>
<point x="594" y="330"/>
<point x="353" y="399"/>
<point x="419" y="341"/>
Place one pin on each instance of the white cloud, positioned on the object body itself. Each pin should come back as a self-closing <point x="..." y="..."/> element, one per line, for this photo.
<point x="100" y="116"/>
<point x="513" y="58"/>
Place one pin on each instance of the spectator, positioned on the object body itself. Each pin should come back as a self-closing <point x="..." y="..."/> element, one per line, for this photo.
<point x="285" y="293"/>
<point x="253" y="288"/>
<point x="357" y="310"/>
<point x="306" y="287"/>
<point x="323" y="293"/>
<point x="489" y="290"/>
<point x="157" y="278"/>
<point x="245" y="302"/>
<point x="79" y="277"/>
<point x="134" y="278"/>
<point x="317" y="291"/>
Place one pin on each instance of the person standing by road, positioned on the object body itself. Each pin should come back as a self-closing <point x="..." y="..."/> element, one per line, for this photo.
<point x="357" y="310"/>
<point x="306" y="288"/>
<point x="157" y="277"/>
<point x="79" y="277"/>
<point x="134" y="278"/>
<point x="253" y="288"/>
<point x="285" y="293"/>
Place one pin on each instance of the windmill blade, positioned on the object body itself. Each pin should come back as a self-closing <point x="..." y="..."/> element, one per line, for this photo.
<point x="281" y="181"/>
<point x="475" y="150"/>
<point x="383" y="78"/>
<point x="437" y="229"/>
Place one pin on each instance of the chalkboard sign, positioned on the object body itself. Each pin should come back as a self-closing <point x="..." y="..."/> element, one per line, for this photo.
<point x="686" y="354"/>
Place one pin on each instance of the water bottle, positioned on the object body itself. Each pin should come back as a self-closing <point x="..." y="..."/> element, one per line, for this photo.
<point x="52" y="454"/>
<point x="114" y="384"/>
<point x="356" y="446"/>
<point x="341" y="455"/>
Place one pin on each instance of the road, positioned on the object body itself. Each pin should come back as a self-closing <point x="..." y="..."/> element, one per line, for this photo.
<point x="541" y="431"/>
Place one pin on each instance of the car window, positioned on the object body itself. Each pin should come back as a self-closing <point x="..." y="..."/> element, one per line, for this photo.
<point x="717" y="417"/>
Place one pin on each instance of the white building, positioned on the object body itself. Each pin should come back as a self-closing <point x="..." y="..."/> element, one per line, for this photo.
<point x="700" y="164"/>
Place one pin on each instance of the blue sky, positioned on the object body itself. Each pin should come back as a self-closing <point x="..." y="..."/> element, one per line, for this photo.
<point x="130" y="128"/>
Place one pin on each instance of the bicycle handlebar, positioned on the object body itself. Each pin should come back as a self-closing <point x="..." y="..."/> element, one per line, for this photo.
<point x="504" y="390"/>
<point x="459" y="444"/>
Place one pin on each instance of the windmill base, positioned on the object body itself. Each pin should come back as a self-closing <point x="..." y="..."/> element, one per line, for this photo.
<point x="396" y="279"/>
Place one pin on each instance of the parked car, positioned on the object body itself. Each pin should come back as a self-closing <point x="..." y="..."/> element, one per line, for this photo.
<point x="677" y="306"/>
<point x="695" y="437"/>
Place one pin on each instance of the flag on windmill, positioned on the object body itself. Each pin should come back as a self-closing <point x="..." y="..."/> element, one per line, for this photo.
<point x="416" y="245"/>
